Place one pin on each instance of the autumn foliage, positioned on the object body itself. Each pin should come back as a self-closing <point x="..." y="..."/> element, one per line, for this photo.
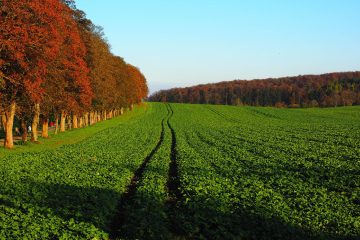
<point x="54" y="62"/>
<point x="327" y="90"/>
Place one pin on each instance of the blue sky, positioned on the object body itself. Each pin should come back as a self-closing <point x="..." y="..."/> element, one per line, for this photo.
<point x="179" y="43"/>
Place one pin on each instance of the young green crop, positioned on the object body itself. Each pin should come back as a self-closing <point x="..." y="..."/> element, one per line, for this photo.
<point x="244" y="173"/>
<point x="145" y="213"/>
<point x="269" y="173"/>
<point x="72" y="191"/>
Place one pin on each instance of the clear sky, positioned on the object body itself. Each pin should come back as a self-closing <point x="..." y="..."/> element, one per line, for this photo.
<point x="187" y="42"/>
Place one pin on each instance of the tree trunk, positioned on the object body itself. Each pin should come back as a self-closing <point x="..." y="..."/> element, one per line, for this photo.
<point x="84" y="120"/>
<point x="91" y="118"/>
<point x="69" y="122"/>
<point x="3" y="120"/>
<point x="81" y="122"/>
<point x="56" y="124"/>
<point x="24" y="131"/>
<point x="62" y="121"/>
<point x="98" y="116"/>
<point x="45" y="128"/>
<point x="9" y="122"/>
<point x="131" y="107"/>
<point x="122" y="111"/>
<point x="86" y="117"/>
<point x="75" y="121"/>
<point x="35" y="122"/>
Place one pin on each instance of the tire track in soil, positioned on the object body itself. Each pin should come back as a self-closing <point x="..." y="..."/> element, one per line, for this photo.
<point x="173" y="183"/>
<point x="129" y="194"/>
<point x="227" y="118"/>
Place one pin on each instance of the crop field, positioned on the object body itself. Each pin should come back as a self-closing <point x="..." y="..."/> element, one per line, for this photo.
<point x="181" y="171"/>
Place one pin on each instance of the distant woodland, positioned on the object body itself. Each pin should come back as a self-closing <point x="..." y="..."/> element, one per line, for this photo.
<point x="56" y="65"/>
<point x="326" y="90"/>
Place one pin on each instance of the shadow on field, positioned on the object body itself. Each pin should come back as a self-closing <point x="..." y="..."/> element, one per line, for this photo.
<point x="202" y="222"/>
<point x="207" y="221"/>
<point x="201" y="219"/>
<point x="71" y="203"/>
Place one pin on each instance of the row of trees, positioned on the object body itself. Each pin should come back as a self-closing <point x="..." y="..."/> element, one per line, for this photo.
<point x="55" y="63"/>
<point x="334" y="89"/>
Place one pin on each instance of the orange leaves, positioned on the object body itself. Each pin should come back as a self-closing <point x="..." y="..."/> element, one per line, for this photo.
<point x="139" y="81"/>
<point x="51" y="51"/>
<point x="28" y="42"/>
<point x="324" y="90"/>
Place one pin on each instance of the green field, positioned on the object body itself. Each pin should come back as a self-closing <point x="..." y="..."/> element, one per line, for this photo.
<point x="189" y="172"/>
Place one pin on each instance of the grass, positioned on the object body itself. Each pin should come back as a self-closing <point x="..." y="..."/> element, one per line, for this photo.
<point x="72" y="136"/>
<point x="184" y="171"/>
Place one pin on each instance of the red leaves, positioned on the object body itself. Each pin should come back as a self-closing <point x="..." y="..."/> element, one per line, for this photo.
<point x="325" y="90"/>
<point x="43" y="55"/>
<point x="139" y="81"/>
<point x="26" y="43"/>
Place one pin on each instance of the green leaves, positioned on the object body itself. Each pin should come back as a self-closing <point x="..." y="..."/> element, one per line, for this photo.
<point x="72" y="192"/>
<point x="242" y="176"/>
<point x="291" y="175"/>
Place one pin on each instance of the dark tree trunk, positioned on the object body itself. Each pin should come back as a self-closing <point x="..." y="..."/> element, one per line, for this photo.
<point x="24" y="131"/>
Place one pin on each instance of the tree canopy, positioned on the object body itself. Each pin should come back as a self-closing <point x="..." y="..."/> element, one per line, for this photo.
<point x="326" y="90"/>
<point x="53" y="60"/>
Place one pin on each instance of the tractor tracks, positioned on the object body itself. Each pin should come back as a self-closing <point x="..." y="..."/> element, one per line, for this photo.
<point x="227" y="118"/>
<point x="173" y="178"/>
<point x="172" y="185"/>
<point x="129" y="194"/>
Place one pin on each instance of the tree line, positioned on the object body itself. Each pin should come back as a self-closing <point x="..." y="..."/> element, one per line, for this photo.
<point x="326" y="90"/>
<point x="56" y="64"/>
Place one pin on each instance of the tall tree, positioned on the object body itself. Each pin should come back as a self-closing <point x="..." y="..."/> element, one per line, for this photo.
<point x="54" y="62"/>
<point x="28" y="41"/>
